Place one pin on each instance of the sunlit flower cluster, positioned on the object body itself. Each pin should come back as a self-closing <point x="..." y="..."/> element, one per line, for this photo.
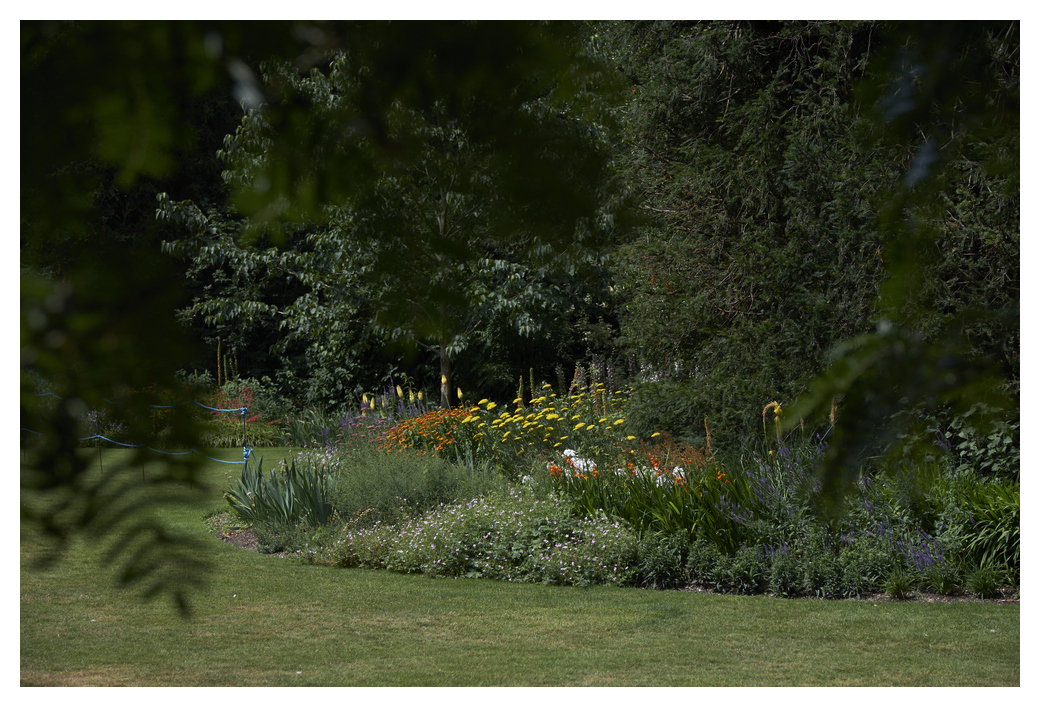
<point x="432" y="432"/>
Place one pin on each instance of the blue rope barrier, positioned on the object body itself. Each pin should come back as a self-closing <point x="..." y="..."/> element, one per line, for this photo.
<point x="241" y="410"/>
<point x="246" y="451"/>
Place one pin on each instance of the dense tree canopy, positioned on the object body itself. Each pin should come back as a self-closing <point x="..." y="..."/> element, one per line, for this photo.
<point x="777" y="186"/>
<point x="830" y="213"/>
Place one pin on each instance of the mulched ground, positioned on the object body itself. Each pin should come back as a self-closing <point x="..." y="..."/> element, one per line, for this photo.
<point x="246" y="540"/>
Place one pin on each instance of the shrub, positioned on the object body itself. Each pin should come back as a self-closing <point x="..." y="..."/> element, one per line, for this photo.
<point x="702" y="562"/>
<point x="863" y="565"/>
<point x="662" y="560"/>
<point x="220" y="432"/>
<point x="985" y="441"/>
<point x="784" y="576"/>
<point x="748" y="571"/>
<point x="511" y="536"/>
<point x="385" y="487"/>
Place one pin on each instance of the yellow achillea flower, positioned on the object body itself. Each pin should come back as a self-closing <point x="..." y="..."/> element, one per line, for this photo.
<point x="491" y="406"/>
<point x="579" y="425"/>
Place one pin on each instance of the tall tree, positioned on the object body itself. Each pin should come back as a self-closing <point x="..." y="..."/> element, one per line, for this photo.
<point x="442" y="239"/>
<point x="754" y="146"/>
<point x="117" y="93"/>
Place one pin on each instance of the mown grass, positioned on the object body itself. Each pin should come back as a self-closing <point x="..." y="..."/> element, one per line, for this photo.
<point x="264" y="620"/>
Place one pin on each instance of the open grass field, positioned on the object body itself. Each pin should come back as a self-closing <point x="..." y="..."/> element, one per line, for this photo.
<point x="268" y="621"/>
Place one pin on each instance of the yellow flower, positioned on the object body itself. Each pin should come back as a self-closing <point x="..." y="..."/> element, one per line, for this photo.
<point x="411" y="396"/>
<point x="491" y="406"/>
<point x="482" y="401"/>
<point x="655" y="434"/>
<point x="458" y="391"/>
<point x="420" y="396"/>
<point x="579" y="425"/>
<point x="630" y="437"/>
<point x="444" y="379"/>
<point x="399" y="393"/>
<point x="618" y="422"/>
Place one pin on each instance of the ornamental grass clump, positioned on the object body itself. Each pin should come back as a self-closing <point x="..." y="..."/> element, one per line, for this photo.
<point x="667" y="488"/>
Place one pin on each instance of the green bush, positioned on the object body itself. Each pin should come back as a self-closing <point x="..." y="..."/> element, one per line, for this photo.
<point x="507" y="535"/>
<point x="662" y="560"/>
<point x="985" y="443"/>
<point x="863" y="566"/>
<point x="748" y="571"/>
<point x="784" y="576"/>
<point x="387" y="487"/>
<point x="702" y="562"/>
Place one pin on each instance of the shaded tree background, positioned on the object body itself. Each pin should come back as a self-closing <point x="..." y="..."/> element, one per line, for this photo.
<point x="780" y="161"/>
<point x="108" y="105"/>
<point x="832" y="216"/>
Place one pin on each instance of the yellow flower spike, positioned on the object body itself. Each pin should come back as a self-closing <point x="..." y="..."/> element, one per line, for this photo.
<point x="420" y="396"/>
<point x="458" y="391"/>
<point x="411" y="396"/>
<point x="399" y="393"/>
<point x="444" y="379"/>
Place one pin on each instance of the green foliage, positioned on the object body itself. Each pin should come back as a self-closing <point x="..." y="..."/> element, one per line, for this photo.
<point x="941" y="578"/>
<point x="983" y="581"/>
<point x="423" y="233"/>
<point x="219" y="433"/>
<point x="982" y="443"/>
<point x="663" y="560"/>
<point x="988" y="523"/>
<point x="286" y="496"/>
<point x="509" y="536"/>
<point x="379" y="487"/>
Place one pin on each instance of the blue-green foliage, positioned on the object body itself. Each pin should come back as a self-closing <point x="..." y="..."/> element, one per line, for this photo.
<point x="286" y="496"/>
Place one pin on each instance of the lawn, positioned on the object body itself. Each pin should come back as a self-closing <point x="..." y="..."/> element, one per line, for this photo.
<point x="268" y="621"/>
